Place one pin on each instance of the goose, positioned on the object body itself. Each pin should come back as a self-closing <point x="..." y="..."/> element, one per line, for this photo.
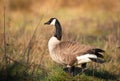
<point x="70" y="53"/>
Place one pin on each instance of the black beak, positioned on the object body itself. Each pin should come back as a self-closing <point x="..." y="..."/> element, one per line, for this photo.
<point x="46" y="23"/>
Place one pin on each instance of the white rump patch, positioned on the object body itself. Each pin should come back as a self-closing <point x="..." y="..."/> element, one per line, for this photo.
<point x="53" y="22"/>
<point x="85" y="58"/>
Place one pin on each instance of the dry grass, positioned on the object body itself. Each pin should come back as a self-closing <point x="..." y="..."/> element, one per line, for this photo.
<point x="26" y="47"/>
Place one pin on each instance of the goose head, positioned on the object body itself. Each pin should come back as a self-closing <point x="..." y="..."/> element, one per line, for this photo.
<point x="58" y="29"/>
<point x="52" y="21"/>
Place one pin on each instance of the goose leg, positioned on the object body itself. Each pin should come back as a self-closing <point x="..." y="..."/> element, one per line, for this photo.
<point x="83" y="67"/>
<point x="71" y="70"/>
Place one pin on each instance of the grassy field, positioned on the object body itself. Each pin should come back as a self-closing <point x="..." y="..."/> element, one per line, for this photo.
<point x="24" y="54"/>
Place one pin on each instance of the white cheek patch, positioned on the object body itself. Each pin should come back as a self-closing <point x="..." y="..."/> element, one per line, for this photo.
<point x="53" y="22"/>
<point x="85" y="58"/>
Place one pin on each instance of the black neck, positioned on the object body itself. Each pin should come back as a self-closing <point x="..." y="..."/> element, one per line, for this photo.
<point x="58" y="32"/>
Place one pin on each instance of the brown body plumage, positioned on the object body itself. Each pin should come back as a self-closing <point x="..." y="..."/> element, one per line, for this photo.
<point x="68" y="51"/>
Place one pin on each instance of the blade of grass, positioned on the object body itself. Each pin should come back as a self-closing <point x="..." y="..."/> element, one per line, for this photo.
<point x="5" y="36"/>
<point x="5" y="53"/>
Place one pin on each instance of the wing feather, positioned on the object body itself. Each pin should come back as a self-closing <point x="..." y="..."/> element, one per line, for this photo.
<point x="72" y="48"/>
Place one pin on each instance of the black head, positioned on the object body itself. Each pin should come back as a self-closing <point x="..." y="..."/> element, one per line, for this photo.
<point x="55" y="22"/>
<point x="52" y="21"/>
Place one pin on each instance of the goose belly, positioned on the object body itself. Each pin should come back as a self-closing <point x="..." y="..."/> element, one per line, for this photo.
<point x="57" y="58"/>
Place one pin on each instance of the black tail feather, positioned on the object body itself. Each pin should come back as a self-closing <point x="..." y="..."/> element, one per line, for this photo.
<point x="99" y="55"/>
<point x="97" y="52"/>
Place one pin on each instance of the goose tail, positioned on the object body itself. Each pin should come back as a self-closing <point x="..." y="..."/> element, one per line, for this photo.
<point x="99" y="53"/>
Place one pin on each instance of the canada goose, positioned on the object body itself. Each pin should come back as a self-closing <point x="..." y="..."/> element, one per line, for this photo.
<point x="71" y="53"/>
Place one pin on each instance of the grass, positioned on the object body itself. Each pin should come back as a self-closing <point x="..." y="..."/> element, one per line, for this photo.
<point x="28" y="57"/>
